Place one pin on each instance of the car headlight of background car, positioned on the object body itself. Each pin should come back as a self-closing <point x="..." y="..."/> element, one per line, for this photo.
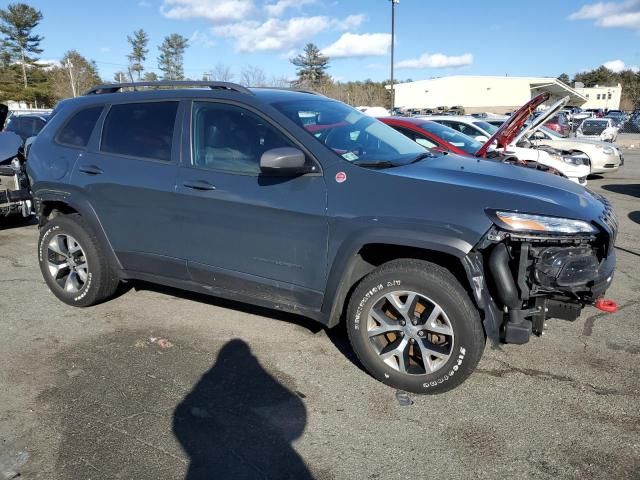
<point x="575" y="160"/>
<point x="606" y="149"/>
<point x="528" y="222"/>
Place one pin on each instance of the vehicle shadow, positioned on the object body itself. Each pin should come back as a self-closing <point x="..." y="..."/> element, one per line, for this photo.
<point x="304" y="322"/>
<point x="239" y="422"/>
<point x="7" y="223"/>
<point x="337" y="335"/>
<point x="631" y="189"/>
<point x="635" y="216"/>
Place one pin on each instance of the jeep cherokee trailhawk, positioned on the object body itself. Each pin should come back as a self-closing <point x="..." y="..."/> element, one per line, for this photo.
<point x="294" y="201"/>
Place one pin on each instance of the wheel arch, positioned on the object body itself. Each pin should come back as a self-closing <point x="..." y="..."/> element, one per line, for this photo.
<point x="50" y="204"/>
<point x="355" y="261"/>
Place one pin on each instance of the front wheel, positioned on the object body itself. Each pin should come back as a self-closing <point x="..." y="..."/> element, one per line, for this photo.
<point x="414" y="327"/>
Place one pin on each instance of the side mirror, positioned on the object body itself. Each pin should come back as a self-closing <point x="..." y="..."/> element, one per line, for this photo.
<point x="481" y="138"/>
<point x="284" y="160"/>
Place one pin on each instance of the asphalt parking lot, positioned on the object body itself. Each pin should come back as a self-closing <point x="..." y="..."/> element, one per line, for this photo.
<point x="160" y="384"/>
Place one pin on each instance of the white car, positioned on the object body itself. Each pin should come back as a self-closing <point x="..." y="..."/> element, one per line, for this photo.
<point x="603" y="157"/>
<point x="573" y="167"/>
<point x="602" y="129"/>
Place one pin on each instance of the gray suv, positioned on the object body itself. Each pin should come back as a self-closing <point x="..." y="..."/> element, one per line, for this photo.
<point x="297" y="202"/>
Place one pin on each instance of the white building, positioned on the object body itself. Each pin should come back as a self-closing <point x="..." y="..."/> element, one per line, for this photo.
<point x="607" y="98"/>
<point x="481" y="93"/>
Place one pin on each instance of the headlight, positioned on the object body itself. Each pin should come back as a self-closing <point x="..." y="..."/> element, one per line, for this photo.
<point x="573" y="160"/>
<point x="527" y="222"/>
<point x="608" y="151"/>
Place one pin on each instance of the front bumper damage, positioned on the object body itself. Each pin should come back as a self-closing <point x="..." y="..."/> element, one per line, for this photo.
<point x="520" y="280"/>
<point x="15" y="195"/>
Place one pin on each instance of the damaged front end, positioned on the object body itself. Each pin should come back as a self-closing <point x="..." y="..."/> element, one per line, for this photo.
<point x="15" y="195"/>
<point x="522" y="277"/>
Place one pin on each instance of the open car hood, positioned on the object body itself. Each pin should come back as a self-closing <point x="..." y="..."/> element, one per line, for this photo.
<point x="515" y="127"/>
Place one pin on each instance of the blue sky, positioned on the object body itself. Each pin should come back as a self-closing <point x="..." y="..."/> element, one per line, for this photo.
<point x="433" y="38"/>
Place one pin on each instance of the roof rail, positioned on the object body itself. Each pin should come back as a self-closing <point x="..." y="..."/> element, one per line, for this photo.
<point x="293" y="89"/>
<point x="114" y="87"/>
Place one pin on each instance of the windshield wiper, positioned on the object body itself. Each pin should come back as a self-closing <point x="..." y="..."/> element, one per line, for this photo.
<point x="380" y="164"/>
<point x="422" y="156"/>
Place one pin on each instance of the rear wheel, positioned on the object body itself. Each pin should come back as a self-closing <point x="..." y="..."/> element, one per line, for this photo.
<point x="73" y="263"/>
<point x="413" y="327"/>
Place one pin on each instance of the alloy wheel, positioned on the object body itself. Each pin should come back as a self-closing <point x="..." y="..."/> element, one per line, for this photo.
<point x="410" y="332"/>
<point x="67" y="263"/>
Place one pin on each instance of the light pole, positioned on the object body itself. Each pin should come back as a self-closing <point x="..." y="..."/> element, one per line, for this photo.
<point x="393" y="34"/>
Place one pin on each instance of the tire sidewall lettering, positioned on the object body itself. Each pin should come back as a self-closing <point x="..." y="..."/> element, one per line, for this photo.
<point x="371" y="293"/>
<point x="452" y="371"/>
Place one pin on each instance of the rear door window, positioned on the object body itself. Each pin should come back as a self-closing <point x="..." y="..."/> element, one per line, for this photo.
<point x="142" y="130"/>
<point x="77" y="131"/>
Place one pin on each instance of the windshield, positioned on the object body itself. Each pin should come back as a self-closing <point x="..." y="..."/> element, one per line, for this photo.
<point x="487" y="127"/>
<point x="455" y="138"/>
<point x="349" y="133"/>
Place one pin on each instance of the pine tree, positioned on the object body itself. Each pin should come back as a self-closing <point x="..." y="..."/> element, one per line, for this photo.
<point x="171" y="58"/>
<point x="312" y="66"/>
<point x="17" y="24"/>
<point x="139" y="51"/>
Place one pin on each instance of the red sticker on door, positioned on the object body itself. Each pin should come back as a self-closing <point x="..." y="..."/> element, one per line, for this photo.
<point x="341" y="177"/>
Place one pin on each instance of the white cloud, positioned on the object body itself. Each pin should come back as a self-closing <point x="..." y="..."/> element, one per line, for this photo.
<point x="273" y="34"/>
<point x="217" y="11"/>
<point x="625" y="14"/>
<point x="355" y="45"/>
<point x="144" y="3"/>
<point x="201" y="39"/>
<point x="619" y="66"/>
<point x="351" y="22"/>
<point x="104" y="49"/>
<point x="436" y="60"/>
<point x="278" y="8"/>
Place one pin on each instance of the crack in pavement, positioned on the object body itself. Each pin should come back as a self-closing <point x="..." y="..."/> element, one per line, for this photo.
<point x="590" y="321"/>
<point x="530" y="372"/>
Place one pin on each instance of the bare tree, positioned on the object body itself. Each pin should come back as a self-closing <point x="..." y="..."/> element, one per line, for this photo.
<point x="253" y="76"/>
<point x="279" y="82"/>
<point x="75" y="75"/>
<point x="221" y="73"/>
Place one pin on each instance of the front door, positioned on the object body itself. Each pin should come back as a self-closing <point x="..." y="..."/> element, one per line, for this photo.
<point x="255" y="234"/>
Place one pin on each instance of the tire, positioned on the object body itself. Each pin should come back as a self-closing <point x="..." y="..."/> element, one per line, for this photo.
<point x="453" y="340"/>
<point x="68" y="246"/>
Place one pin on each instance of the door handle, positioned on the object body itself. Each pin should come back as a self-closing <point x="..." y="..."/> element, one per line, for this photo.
<point x="90" y="169"/>
<point x="199" y="185"/>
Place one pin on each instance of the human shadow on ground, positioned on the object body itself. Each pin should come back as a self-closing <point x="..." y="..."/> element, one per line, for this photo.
<point x="238" y="422"/>
<point x="635" y="216"/>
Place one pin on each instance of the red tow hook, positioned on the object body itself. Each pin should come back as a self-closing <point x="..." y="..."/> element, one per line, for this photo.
<point x="606" y="305"/>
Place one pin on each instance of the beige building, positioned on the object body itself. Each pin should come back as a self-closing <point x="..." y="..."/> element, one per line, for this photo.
<point x="607" y="98"/>
<point x="481" y="93"/>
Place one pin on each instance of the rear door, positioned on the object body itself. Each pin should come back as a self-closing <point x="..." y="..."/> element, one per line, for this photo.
<point x="129" y="174"/>
<point x="255" y="234"/>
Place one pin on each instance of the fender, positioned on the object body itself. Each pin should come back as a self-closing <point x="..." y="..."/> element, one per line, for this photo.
<point x="83" y="206"/>
<point x="345" y="262"/>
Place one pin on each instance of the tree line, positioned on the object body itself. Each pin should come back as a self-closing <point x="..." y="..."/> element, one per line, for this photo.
<point x="628" y="79"/>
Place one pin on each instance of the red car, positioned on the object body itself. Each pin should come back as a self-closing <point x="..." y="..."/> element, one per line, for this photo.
<point x="434" y="135"/>
<point x="559" y="124"/>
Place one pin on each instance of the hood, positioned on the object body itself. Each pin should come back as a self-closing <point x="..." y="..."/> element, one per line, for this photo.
<point x="541" y="119"/>
<point x="10" y="145"/>
<point x="488" y="184"/>
<point x="513" y="127"/>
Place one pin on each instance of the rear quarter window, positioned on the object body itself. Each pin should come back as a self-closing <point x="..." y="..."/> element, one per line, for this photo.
<point x="77" y="131"/>
<point x="143" y="130"/>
